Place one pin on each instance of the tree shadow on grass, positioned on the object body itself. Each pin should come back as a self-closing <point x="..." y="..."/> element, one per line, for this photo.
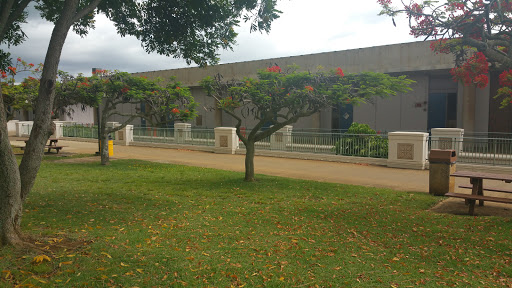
<point x="456" y="206"/>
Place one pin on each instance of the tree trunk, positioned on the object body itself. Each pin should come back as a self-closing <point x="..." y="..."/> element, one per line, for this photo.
<point x="10" y="187"/>
<point x="40" y="133"/>
<point x="16" y="183"/>
<point x="105" y="160"/>
<point x="249" y="161"/>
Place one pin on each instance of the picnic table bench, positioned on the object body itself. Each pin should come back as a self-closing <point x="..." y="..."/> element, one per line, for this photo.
<point x="52" y="145"/>
<point x="476" y="179"/>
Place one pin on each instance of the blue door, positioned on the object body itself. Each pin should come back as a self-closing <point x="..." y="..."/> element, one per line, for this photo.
<point x="346" y="116"/>
<point x="436" y="110"/>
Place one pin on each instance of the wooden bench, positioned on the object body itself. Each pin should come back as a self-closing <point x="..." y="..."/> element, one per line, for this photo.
<point x="486" y="189"/>
<point x="473" y="198"/>
<point x="49" y="147"/>
<point x="476" y="180"/>
<point x="56" y="148"/>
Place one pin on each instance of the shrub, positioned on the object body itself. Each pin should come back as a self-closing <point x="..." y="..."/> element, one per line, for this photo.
<point x="361" y="140"/>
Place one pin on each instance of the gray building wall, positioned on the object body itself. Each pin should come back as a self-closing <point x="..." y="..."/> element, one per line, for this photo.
<point x="406" y="112"/>
<point x="403" y="112"/>
<point x="482" y="109"/>
<point x="85" y="116"/>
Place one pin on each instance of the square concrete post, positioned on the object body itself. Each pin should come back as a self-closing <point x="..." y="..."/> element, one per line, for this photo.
<point x="281" y="138"/>
<point x="59" y="130"/>
<point x="447" y="138"/>
<point x="23" y="128"/>
<point x="407" y="150"/>
<point x="11" y="127"/>
<point x="226" y="140"/>
<point x="182" y="132"/>
<point x="125" y="135"/>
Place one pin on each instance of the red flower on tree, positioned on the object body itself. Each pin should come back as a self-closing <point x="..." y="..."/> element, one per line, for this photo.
<point x="274" y="69"/>
<point x="481" y="81"/>
<point x="125" y="89"/>
<point x="476" y="67"/>
<point x="339" y="72"/>
<point x="506" y="78"/>
<point x="175" y="111"/>
<point x="309" y="88"/>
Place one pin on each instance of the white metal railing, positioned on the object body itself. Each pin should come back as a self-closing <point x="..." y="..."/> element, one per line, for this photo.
<point x="362" y="145"/>
<point x="478" y="150"/>
<point x="198" y="137"/>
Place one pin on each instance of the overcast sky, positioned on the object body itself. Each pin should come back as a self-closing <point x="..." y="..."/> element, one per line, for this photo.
<point x="303" y="28"/>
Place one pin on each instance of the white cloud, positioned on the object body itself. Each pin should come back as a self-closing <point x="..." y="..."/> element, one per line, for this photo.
<point x="305" y="27"/>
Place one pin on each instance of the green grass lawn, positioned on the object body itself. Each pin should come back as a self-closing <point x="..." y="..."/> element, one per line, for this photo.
<point x="141" y="224"/>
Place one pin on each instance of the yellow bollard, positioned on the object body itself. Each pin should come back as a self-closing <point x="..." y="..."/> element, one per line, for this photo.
<point x="110" y="148"/>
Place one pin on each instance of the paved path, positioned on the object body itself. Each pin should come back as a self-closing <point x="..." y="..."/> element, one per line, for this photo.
<point x="357" y="174"/>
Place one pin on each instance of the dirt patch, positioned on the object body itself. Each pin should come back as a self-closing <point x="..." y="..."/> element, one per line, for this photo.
<point x="55" y="244"/>
<point x="456" y="206"/>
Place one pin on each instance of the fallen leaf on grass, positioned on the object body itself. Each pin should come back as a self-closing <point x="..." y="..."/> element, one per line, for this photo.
<point x="7" y="274"/>
<point x="38" y="279"/>
<point x="65" y="263"/>
<point x="40" y="259"/>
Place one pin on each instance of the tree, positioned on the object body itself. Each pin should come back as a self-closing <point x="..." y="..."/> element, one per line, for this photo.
<point x="19" y="97"/>
<point x="163" y="103"/>
<point x="476" y="32"/>
<point x="282" y="98"/>
<point x="193" y="30"/>
<point x="22" y="96"/>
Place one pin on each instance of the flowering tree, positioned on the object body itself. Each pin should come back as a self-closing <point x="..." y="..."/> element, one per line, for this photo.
<point x="282" y="98"/>
<point x="192" y="30"/>
<point x="109" y="89"/>
<point x="476" y="32"/>
<point x="22" y="96"/>
<point x="19" y="97"/>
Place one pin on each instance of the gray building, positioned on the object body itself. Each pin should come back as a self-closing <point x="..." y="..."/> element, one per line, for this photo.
<point x="436" y="100"/>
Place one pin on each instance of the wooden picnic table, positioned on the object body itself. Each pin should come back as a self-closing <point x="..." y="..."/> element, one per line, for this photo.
<point x="51" y="145"/>
<point x="476" y="180"/>
<point x="53" y="141"/>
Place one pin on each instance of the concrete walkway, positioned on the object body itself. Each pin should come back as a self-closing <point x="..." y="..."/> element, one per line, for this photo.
<point x="356" y="174"/>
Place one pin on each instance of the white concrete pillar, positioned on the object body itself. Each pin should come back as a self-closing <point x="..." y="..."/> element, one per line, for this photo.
<point x="124" y="136"/>
<point x="447" y="138"/>
<point x="23" y="128"/>
<point x="11" y="127"/>
<point x="182" y="132"/>
<point x="407" y="150"/>
<point x="59" y="130"/>
<point x="281" y="138"/>
<point x="18" y="129"/>
<point x="226" y="140"/>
